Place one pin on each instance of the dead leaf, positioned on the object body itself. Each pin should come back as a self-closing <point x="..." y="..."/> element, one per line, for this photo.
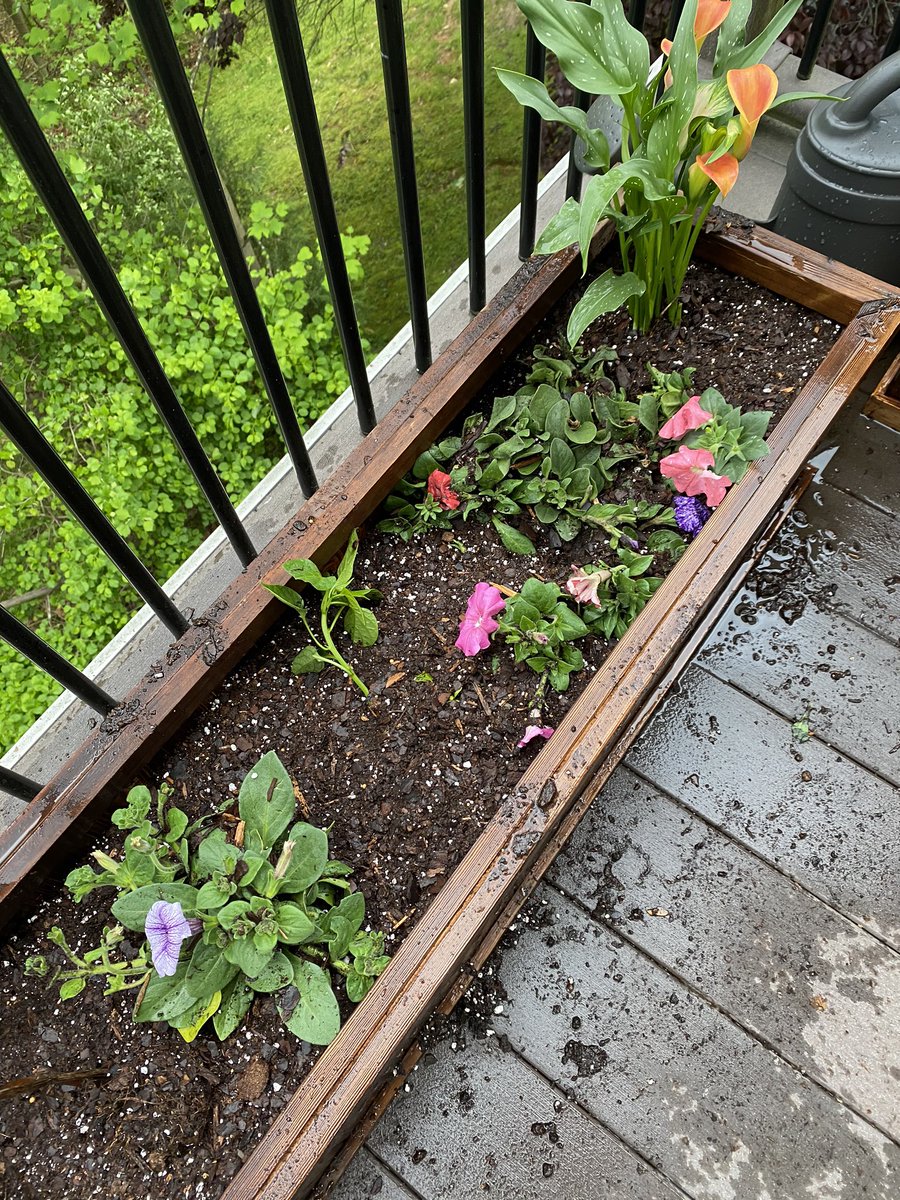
<point x="239" y="834"/>
<point x="395" y="678"/>
<point x="301" y="799"/>
<point x="253" y="1080"/>
<point x="819" y="1003"/>
<point x="658" y="912"/>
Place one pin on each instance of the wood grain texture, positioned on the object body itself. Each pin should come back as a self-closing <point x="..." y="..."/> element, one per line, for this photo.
<point x="335" y="1094"/>
<point x="67" y="813"/>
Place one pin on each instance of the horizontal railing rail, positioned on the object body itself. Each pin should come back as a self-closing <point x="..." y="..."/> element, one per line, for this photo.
<point x="36" y="156"/>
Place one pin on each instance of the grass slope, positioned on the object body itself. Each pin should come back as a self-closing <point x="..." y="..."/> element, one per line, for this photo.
<point x="250" y="131"/>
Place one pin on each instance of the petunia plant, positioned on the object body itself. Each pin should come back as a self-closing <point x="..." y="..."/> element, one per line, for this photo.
<point x="225" y="911"/>
<point x="682" y="137"/>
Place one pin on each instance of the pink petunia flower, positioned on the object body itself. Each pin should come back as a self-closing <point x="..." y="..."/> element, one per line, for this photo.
<point x="440" y="490"/>
<point x="583" y="585"/>
<point x="533" y="731"/>
<point x="479" y="623"/>
<point x="689" y="416"/>
<point x="689" y="471"/>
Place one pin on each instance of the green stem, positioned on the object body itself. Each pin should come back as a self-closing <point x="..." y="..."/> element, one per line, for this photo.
<point x="338" y="659"/>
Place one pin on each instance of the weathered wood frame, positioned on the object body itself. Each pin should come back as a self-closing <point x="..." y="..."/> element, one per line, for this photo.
<point x="491" y="882"/>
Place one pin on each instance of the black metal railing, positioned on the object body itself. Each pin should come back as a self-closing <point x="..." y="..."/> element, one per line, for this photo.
<point x="37" y="158"/>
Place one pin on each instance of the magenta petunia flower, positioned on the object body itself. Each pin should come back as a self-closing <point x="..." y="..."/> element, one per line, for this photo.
<point x="166" y="928"/>
<point x="689" y="416"/>
<point x="479" y="623"/>
<point x="533" y="731"/>
<point x="583" y="585"/>
<point x="689" y="471"/>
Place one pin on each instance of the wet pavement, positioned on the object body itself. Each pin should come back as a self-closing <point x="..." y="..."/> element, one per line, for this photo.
<point x="703" y="998"/>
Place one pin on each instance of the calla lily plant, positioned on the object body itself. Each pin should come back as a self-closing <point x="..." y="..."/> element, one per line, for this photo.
<point x="682" y="137"/>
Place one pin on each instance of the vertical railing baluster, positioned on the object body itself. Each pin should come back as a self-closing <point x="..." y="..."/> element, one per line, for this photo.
<point x="29" y="440"/>
<point x="26" y="642"/>
<point x="302" y="107"/>
<point x="814" y="38"/>
<point x="637" y="11"/>
<point x="18" y="785"/>
<point x="175" y="91"/>
<point x="535" y="60"/>
<point x="893" y="43"/>
<point x="574" y="177"/>
<point x="396" y="87"/>
<point x="472" y="30"/>
<point x="46" y="175"/>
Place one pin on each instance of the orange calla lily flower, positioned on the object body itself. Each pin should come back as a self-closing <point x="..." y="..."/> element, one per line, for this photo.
<point x="753" y="90"/>
<point x="710" y="15"/>
<point x="723" y="172"/>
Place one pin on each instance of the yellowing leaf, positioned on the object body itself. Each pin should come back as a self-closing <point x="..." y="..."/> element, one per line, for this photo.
<point x="189" y="1032"/>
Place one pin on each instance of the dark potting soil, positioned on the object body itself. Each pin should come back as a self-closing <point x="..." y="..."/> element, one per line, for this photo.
<point x="408" y="779"/>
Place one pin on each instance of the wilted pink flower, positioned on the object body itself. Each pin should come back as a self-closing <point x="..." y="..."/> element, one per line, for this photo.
<point x="478" y="623"/>
<point x="583" y="585"/>
<point x="689" y="416"/>
<point x="533" y="731"/>
<point x="689" y="471"/>
<point x="439" y="488"/>
<point x="166" y="927"/>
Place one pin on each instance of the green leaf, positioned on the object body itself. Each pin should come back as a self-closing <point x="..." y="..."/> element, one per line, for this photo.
<point x="648" y="413"/>
<point x="358" y="986"/>
<point x="234" y="1006"/>
<point x="308" y="859"/>
<point x="754" y="51"/>
<point x="604" y="295"/>
<point x="577" y="36"/>
<point x="165" y="997"/>
<point x="345" y="570"/>
<point x="542" y="595"/>
<point x="177" y="823"/>
<point x="138" y="803"/>
<point x="208" y="971"/>
<point x="71" y="988"/>
<point x="287" y="596"/>
<point x="266" y="800"/>
<point x="562" y="460"/>
<point x="533" y="94"/>
<point x="306" y="571"/>
<point x="215" y="853"/>
<point x="244" y="953"/>
<point x="515" y="542"/>
<point x="294" y="926"/>
<point x="131" y="908"/>
<point x="308" y="662"/>
<point x="561" y="230"/>
<point x="315" y="1017"/>
<point x="278" y="974"/>
<point x="361" y="625"/>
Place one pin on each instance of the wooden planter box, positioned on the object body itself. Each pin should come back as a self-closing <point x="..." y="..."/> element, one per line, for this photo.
<point x="464" y="921"/>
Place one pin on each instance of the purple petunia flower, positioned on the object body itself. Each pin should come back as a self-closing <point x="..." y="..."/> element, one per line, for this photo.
<point x="533" y="731"/>
<point x="166" y="928"/>
<point x="691" y="514"/>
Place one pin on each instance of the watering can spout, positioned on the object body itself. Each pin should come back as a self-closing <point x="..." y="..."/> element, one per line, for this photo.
<point x="841" y="192"/>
